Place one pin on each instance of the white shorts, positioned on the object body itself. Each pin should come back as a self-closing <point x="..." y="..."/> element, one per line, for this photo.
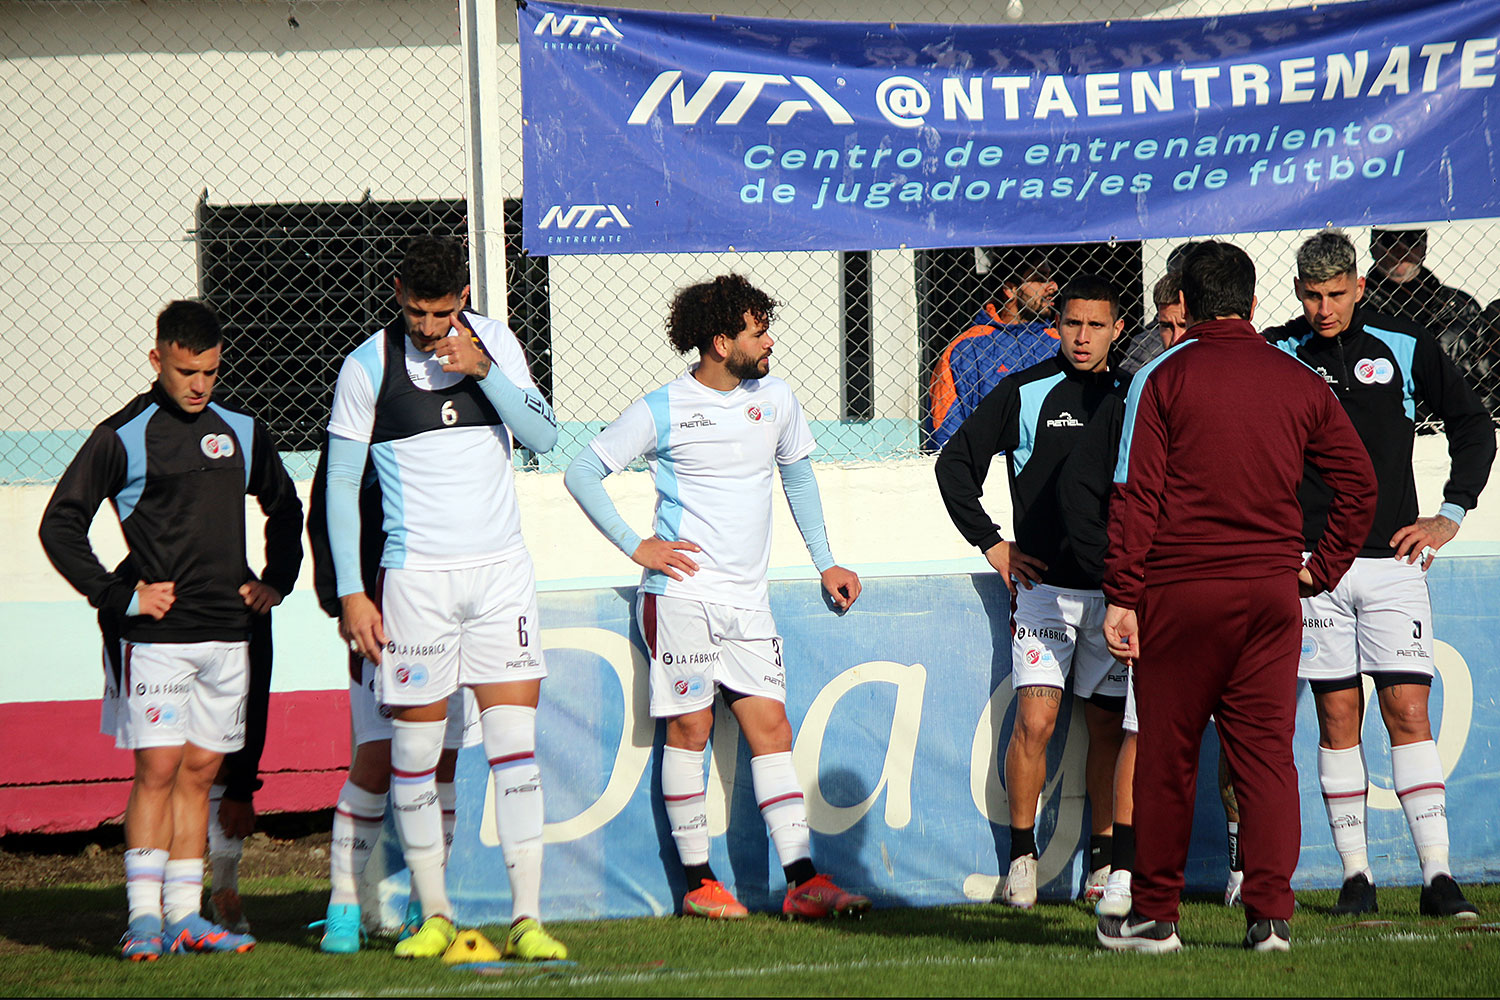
<point x="173" y="693"/>
<point x="372" y="720"/>
<point x="695" y="646"/>
<point x="1060" y="631"/>
<point x="1378" y="618"/>
<point x="448" y="628"/>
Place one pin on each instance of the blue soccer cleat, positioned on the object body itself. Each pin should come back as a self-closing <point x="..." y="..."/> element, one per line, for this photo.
<point x="195" y="934"/>
<point x="142" y="940"/>
<point x="341" y="929"/>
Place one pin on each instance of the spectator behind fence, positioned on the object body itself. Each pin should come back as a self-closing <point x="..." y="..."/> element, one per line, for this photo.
<point x="1483" y="361"/>
<point x="1401" y="285"/>
<point x="1014" y="330"/>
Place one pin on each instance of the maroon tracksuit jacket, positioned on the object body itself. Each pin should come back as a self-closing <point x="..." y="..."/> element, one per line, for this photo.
<point x="1205" y="537"/>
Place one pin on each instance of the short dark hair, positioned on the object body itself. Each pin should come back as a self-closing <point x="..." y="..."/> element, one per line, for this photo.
<point x="701" y="312"/>
<point x="1218" y="280"/>
<point x="1088" y="288"/>
<point x="1168" y="290"/>
<point x="434" y="268"/>
<point x="190" y="324"/>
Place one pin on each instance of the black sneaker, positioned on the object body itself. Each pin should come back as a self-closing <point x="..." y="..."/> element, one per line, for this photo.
<point x="1357" y="896"/>
<point x="1268" y="935"/>
<point x="1443" y="898"/>
<point x="1133" y="933"/>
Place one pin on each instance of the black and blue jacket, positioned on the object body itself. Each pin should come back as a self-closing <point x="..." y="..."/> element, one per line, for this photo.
<point x="1036" y="417"/>
<point x="1382" y="369"/>
<point x="178" y="482"/>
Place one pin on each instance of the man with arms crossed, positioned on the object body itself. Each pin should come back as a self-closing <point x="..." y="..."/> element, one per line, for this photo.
<point x="713" y="438"/>
<point x="1378" y="620"/>
<point x="433" y="399"/>
<point x="1202" y="574"/>
<point x="1036" y="416"/>
<point x="177" y="468"/>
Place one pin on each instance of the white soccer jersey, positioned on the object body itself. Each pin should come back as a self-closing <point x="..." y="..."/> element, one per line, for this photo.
<point x="448" y="492"/>
<point x="713" y="455"/>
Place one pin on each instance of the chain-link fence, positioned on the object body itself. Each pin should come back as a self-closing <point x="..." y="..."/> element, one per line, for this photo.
<point x="272" y="158"/>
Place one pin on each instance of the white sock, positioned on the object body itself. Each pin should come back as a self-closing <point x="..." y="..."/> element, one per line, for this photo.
<point x="415" y="747"/>
<point x="510" y="744"/>
<point x="356" y="829"/>
<point x="448" y="802"/>
<point x="1345" y="787"/>
<point x="224" y="851"/>
<point x="145" y="870"/>
<point x="1417" y="773"/>
<point x="781" y="806"/>
<point x="182" y="888"/>
<point x="684" y="787"/>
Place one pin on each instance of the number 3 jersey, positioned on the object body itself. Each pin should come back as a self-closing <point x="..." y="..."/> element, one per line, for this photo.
<point x="442" y="453"/>
<point x="713" y="457"/>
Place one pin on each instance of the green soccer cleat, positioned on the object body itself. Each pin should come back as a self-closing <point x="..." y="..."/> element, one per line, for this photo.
<point x="528" y="942"/>
<point x="431" y="941"/>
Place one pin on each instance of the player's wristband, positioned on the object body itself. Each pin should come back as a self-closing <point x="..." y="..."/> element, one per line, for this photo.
<point x="1452" y="512"/>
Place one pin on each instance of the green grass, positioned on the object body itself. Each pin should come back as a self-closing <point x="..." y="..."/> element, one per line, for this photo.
<point x="61" y="940"/>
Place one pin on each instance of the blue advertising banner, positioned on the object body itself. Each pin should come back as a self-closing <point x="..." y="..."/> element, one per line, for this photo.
<point x="901" y="709"/>
<point x="647" y="131"/>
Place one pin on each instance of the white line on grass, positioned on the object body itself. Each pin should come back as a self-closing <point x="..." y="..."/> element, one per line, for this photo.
<point x="525" y="979"/>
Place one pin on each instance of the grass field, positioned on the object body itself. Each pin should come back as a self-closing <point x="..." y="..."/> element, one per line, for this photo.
<point x="60" y="940"/>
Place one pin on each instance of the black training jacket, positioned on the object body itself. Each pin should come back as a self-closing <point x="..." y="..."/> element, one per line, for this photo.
<point x="1036" y="417"/>
<point x="1381" y="369"/>
<point x="178" y="482"/>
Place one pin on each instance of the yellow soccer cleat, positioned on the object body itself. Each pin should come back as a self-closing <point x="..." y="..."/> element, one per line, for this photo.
<point x="435" y="937"/>
<point x="471" y="946"/>
<point x="528" y="942"/>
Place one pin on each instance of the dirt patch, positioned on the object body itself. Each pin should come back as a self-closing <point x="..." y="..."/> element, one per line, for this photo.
<point x="283" y="844"/>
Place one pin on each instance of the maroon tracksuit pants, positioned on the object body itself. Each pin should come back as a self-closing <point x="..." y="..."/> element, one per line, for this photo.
<point x="1226" y="648"/>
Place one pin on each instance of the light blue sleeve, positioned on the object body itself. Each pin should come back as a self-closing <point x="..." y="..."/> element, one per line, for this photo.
<point x="801" y="488"/>
<point x="1452" y="512"/>
<point x="585" y="481"/>
<point x="346" y="465"/>
<point x="524" y="411"/>
<point x="134" y="607"/>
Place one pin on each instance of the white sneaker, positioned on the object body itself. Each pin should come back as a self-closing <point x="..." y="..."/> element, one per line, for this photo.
<point x="1093" y="886"/>
<point x="1020" y="883"/>
<point x="1116" y="899"/>
<point x="1232" y="890"/>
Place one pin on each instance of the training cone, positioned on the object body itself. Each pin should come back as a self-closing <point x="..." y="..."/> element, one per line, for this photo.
<point x="470" y="946"/>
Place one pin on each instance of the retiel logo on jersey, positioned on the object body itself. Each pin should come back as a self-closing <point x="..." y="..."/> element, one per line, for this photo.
<point x="696" y="420"/>
<point x="1373" y="370"/>
<point x="217" y="445"/>
<point x="1065" y="419"/>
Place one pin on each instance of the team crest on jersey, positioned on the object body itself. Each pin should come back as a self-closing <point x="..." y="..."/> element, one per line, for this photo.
<point x="217" y="445"/>
<point x="1309" y="647"/>
<point x="411" y="675"/>
<point x="1373" y="370"/>
<point x="689" y="687"/>
<point x="756" y="412"/>
<point x="161" y="715"/>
